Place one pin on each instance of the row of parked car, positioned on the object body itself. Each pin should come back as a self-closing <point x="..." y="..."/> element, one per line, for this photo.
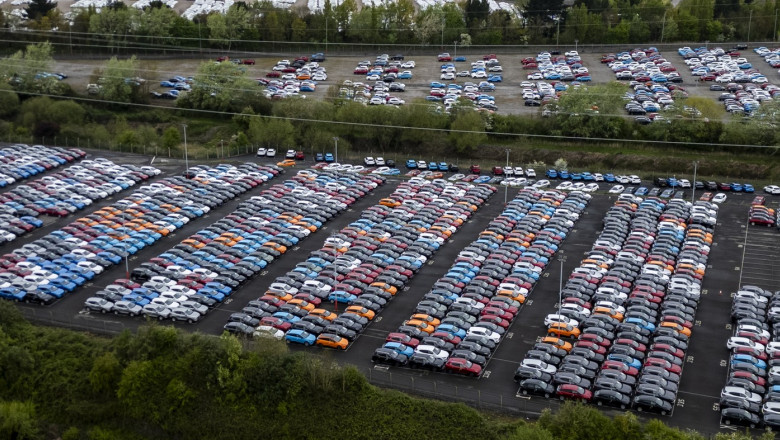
<point x="745" y="87"/>
<point x="20" y="161"/>
<point x="183" y="282"/>
<point x="18" y="212"/>
<point x="760" y="214"/>
<point x="751" y="395"/>
<point x="549" y="67"/>
<point x="51" y="266"/>
<point x="82" y="250"/>
<point x="458" y="324"/>
<point x="363" y="266"/>
<point x="292" y="297"/>
<point x="622" y="326"/>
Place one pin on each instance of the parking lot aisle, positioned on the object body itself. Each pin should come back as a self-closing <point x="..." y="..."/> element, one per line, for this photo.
<point x="760" y="266"/>
<point x="213" y="322"/>
<point x="69" y="308"/>
<point x="529" y="324"/>
<point x="704" y="371"/>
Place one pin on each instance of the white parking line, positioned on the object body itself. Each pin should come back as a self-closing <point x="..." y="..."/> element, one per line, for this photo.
<point x="699" y="395"/>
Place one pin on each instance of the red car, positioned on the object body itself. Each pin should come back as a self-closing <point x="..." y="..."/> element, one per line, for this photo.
<point x="638" y="346"/>
<point x="447" y="337"/>
<point x="475" y="169"/>
<point x="494" y="319"/>
<point x="573" y="392"/>
<point x="666" y="348"/>
<point x="299" y="155"/>
<point x="758" y="354"/>
<point x="592" y="346"/>
<point x="403" y="339"/>
<point x="462" y="366"/>
<point x="662" y="363"/>
<point x="274" y="74"/>
<point x="249" y="62"/>
<point x="276" y="323"/>
<point x="760" y="381"/>
<point x="444" y="57"/>
<point x="595" y="339"/>
<point x="128" y="284"/>
<point x="620" y="366"/>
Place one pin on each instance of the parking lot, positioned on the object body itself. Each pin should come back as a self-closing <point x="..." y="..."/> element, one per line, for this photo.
<point x="696" y="404"/>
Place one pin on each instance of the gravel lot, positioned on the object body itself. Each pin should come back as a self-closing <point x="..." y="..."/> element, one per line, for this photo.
<point x="507" y="93"/>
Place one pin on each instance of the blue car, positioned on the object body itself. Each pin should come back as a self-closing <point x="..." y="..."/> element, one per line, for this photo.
<point x="329" y="157"/>
<point x="443" y="166"/>
<point x="392" y="172"/>
<point x="300" y="337"/>
<point x="628" y="360"/>
<point x="51" y="289"/>
<point x="748" y="188"/>
<point x="319" y="157"/>
<point x="12" y="293"/>
<point x="641" y="191"/>
<point x="641" y="323"/>
<point x="400" y="348"/>
<point x="167" y="84"/>
<point x="451" y="329"/>
<point x="748" y="359"/>
<point x="411" y="164"/>
<point x="342" y="297"/>
<point x="551" y="174"/>
<point x="405" y="75"/>
<point x="564" y="174"/>
<point x="438" y="85"/>
<point x="736" y="186"/>
<point x="433" y="166"/>
<point x="459" y="59"/>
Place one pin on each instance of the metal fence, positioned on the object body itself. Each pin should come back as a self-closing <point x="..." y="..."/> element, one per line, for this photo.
<point x="471" y="394"/>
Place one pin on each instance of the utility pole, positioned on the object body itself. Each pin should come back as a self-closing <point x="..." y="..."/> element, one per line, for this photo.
<point x="186" y="158"/>
<point x="750" y="22"/>
<point x="774" y="36"/>
<point x="693" y="187"/>
<point x="336" y="139"/>
<point x="506" y="187"/>
<point x="663" y="27"/>
<point x="442" y="30"/>
<point x="222" y="141"/>
<point x="558" y="32"/>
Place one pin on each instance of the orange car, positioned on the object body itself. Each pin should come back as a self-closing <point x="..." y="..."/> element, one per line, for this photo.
<point x="361" y="311"/>
<point x="275" y="246"/>
<point x="332" y="341"/>
<point x="324" y="314"/>
<point x="511" y="294"/>
<point x="609" y="312"/>
<point x="467" y="204"/>
<point x="422" y="325"/>
<point x="305" y="305"/>
<point x="192" y="243"/>
<point x="563" y="329"/>
<point x="386" y="287"/>
<point x="170" y="208"/>
<point x="680" y="329"/>
<point x="281" y="295"/>
<point x="286" y="163"/>
<point x="427" y="318"/>
<point x="390" y="202"/>
<point x="557" y="342"/>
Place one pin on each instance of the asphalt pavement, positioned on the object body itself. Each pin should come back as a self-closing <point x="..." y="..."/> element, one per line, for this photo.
<point x="704" y="371"/>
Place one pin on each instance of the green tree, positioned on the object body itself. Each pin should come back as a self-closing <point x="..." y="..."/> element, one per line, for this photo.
<point x="37" y="9"/>
<point x="222" y="87"/>
<point x="118" y="80"/>
<point x="9" y="101"/>
<point x="272" y="132"/>
<point x="224" y="28"/>
<point x="470" y="131"/>
<point x="18" y="421"/>
<point x="23" y="70"/>
<point x="171" y="139"/>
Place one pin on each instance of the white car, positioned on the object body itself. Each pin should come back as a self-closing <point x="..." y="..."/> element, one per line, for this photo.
<point x="772" y="189"/>
<point x="447" y="76"/>
<point x="772" y="348"/>
<point x="261" y="152"/>
<point x="290" y="154"/>
<point x="271" y="152"/>
<point x="380" y="161"/>
<point x="98" y="304"/>
<point x="737" y="341"/>
<point x="741" y="393"/>
<point x="552" y="317"/>
<point x="538" y="365"/>
<point x="266" y="331"/>
<point x="591" y="187"/>
<point x="719" y="198"/>
<point x="482" y="331"/>
<point x="635" y="180"/>
<point x="435" y="351"/>
<point x="530" y="172"/>
<point x="396" y="101"/>
<point x="617" y="189"/>
<point x="369" y="161"/>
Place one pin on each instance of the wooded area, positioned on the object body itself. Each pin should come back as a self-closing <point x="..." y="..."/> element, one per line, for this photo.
<point x="162" y="383"/>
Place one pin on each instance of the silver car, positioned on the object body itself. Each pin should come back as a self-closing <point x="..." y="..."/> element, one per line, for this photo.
<point x="196" y="306"/>
<point x="158" y="311"/>
<point x="127" y="308"/>
<point x="98" y="305"/>
<point x="184" y="314"/>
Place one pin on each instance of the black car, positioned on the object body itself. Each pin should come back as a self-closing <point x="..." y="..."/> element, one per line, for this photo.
<point x="426" y="361"/>
<point x="523" y="373"/>
<point x="239" y="328"/>
<point x="611" y="398"/>
<point x="388" y="356"/>
<point x="739" y="416"/>
<point x="244" y="318"/>
<point x="646" y="402"/>
<point x="536" y="386"/>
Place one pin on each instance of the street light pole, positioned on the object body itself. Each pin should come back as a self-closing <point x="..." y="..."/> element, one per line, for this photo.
<point x="561" y="259"/>
<point x="186" y="158"/>
<point x="693" y="187"/>
<point x="336" y="139"/>
<point x="222" y="142"/>
<point x="506" y="187"/>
